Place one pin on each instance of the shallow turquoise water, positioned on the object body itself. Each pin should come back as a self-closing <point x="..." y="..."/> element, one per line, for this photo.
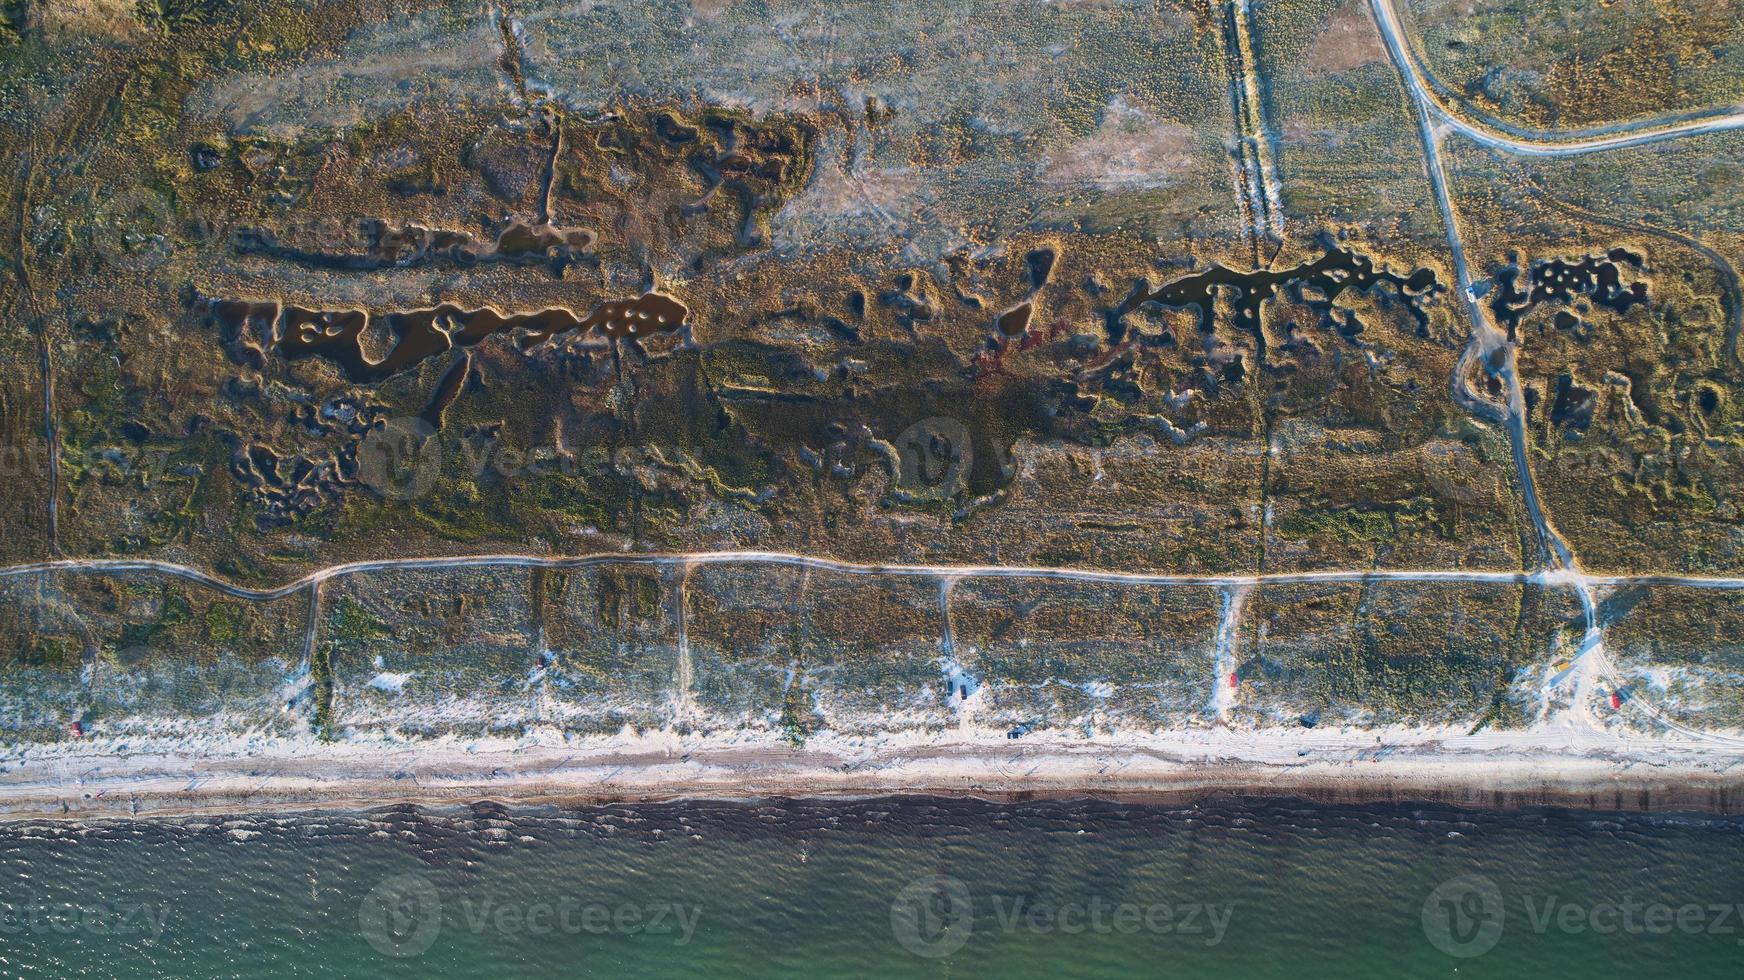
<point x="897" y="888"/>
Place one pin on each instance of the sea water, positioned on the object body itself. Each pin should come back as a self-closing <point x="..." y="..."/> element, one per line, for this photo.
<point x="899" y="887"/>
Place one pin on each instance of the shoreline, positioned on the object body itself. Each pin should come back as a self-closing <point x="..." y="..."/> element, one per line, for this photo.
<point x="1489" y="771"/>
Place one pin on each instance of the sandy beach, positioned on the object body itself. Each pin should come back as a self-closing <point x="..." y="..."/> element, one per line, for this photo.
<point x="148" y="777"/>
